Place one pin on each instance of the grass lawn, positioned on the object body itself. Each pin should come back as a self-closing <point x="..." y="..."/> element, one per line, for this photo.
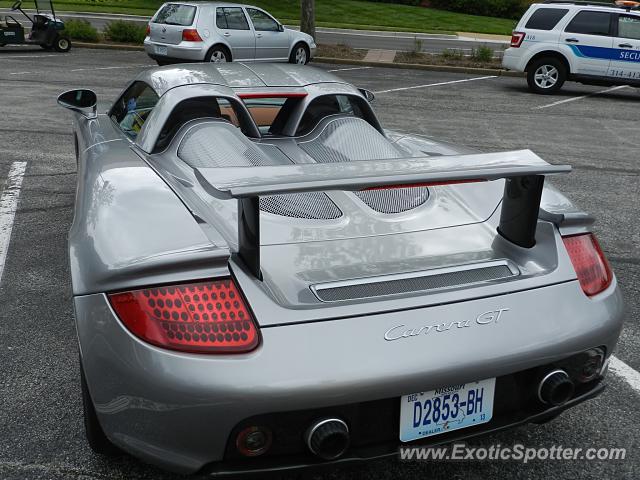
<point x="329" y="13"/>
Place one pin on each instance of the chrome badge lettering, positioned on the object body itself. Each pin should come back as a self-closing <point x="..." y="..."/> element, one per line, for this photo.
<point x="402" y="331"/>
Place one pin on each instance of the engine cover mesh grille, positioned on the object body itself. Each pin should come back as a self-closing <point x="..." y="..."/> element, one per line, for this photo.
<point x="336" y="144"/>
<point x="313" y="206"/>
<point x="219" y="145"/>
<point x="396" y="200"/>
<point x="414" y="283"/>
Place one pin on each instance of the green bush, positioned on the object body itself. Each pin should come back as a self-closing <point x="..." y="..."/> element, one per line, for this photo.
<point x="450" y="54"/>
<point x="125" y="32"/>
<point x="489" y="8"/>
<point x="482" y="54"/>
<point x="81" y="30"/>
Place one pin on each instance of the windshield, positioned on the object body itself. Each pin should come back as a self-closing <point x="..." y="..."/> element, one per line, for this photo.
<point x="176" y="14"/>
<point x="44" y="6"/>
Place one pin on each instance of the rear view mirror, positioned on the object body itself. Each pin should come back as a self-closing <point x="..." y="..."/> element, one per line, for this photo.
<point x="82" y="101"/>
<point x="368" y="94"/>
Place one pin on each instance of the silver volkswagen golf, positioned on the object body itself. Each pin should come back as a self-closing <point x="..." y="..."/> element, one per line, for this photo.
<point x="223" y="32"/>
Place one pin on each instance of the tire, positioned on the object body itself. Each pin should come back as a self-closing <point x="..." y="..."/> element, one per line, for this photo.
<point x="218" y="54"/>
<point x="546" y="75"/>
<point x="96" y="438"/>
<point x="299" y="54"/>
<point x="62" y="44"/>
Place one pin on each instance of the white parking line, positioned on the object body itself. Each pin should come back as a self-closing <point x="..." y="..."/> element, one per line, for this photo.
<point x="579" y="98"/>
<point x="346" y="69"/>
<point x="114" y="68"/>
<point x="436" y="84"/>
<point x="92" y="68"/>
<point x="11" y="57"/>
<point x="623" y="370"/>
<point x="8" y="206"/>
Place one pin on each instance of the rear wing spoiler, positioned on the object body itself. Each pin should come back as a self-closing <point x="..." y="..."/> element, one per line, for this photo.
<point x="523" y="170"/>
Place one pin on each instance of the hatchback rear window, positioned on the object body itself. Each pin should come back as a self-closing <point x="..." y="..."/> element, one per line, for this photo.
<point x="590" y="23"/>
<point x="546" y="18"/>
<point x="176" y="14"/>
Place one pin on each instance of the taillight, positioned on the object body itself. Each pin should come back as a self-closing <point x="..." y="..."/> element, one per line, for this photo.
<point x="516" y="39"/>
<point x="148" y="32"/>
<point x="191" y="35"/>
<point x="594" y="272"/>
<point x="204" y="317"/>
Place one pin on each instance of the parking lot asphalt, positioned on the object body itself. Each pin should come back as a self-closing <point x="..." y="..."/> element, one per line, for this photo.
<point x="41" y="432"/>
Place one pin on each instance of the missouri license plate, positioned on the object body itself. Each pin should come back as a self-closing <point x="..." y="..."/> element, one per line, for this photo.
<point x="446" y="409"/>
<point x="161" y="50"/>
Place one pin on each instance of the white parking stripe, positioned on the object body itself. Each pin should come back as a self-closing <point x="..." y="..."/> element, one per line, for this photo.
<point x="346" y="69"/>
<point x="623" y="370"/>
<point x="8" y="206"/>
<point x="579" y="98"/>
<point x="92" y="68"/>
<point x="435" y="84"/>
<point x="11" y="57"/>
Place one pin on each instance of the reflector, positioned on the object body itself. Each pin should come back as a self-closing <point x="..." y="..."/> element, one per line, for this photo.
<point x="205" y="317"/>
<point x="594" y="272"/>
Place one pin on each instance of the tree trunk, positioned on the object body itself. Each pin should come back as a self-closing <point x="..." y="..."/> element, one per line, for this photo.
<point x="308" y="17"/>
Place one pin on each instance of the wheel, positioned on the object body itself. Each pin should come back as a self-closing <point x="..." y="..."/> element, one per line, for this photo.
<point x="62" y="44"/>
<point x="299" y="54"/>
<point x="546" y="76"/>
<point x="218" y="54"/>
<point x="96" y="438"/>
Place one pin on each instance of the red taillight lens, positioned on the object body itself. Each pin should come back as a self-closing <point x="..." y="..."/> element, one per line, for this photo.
<point x="148" y="32"/>
<point x="594" y="272"/>
<point x="516" y="39"/>
<point x="191" y="35"/>
<point x="205" y="317"/>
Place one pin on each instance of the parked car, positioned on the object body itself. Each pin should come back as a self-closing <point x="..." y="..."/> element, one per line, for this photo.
<point x="265" y="278"/>
<point x="223" y="32"/>
<point x="588" y="42"/>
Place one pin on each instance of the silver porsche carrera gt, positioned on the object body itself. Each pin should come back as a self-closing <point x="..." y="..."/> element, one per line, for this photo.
<point x="265" y="278"/>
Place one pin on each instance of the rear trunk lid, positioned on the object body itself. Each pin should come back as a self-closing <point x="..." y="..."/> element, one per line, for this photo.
<point x="168" y="24"/>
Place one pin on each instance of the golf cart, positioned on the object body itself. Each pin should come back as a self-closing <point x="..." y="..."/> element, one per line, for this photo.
<point x="46" y="30"/>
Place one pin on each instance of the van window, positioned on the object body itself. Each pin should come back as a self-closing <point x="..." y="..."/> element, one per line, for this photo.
<point x="132" y="109"/>
<point x="546" y="18"/>
<point x="176" y="14"/>
<point x="590" y="23"/>
<point x="629" y="27"/>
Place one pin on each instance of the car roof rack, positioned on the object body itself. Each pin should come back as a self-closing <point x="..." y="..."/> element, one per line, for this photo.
<point x="622" y="4"/>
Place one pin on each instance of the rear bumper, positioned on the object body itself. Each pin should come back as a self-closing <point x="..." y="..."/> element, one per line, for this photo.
<point x="387" y="450"/>
<point x="179" y="410"/>
<point x="182" y="52"/>
<point x="514" y="60"/>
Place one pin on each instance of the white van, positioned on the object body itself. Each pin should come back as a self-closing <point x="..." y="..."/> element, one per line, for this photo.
<point x="589" y="42"/>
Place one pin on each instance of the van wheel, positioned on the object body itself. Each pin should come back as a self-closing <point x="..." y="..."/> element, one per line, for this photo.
<point x="299" y="54"/>
<point x="217" y="54"/>
<point x="96" y="438"/>
<point x="62" y="44"/>
<point x="546" y="76"/>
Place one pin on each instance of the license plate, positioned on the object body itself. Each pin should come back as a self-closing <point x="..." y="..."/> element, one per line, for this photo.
<point x="446" y="409"/>
<point x="161" y="50"/>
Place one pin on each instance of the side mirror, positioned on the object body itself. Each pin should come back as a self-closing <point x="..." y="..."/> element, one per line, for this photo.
<point x="82" y="101"/>
<point x="368" y="94"/>
<point x="280" y="27"/>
